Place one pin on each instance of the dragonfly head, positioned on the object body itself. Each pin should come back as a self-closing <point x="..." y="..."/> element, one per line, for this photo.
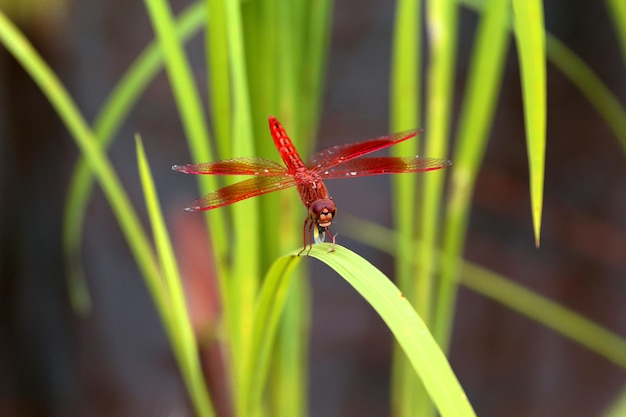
<point x="322" y="212"/>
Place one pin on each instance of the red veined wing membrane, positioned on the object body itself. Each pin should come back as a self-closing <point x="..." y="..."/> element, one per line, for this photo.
<point x="236" y="166"/>
<point x="342" y="153"/>
<point x="242" y="190"/>
<point x="383" y="165"/>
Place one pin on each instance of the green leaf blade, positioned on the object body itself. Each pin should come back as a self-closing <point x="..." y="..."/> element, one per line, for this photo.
<point x="175" y="314"/>
<point x="113" y="112"/>
<point x="530" y="37"/>
<point x="409" y="329"/>
<point x="481" y="96"/>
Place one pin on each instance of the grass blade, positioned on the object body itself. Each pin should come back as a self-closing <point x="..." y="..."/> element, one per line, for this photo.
<point x="481" y="95"/>
<point x="441" y="26"/>
<point x="588" y="82"/>
<point x="219" y="83"/>
<point x="562" y="320"/>
<point x="96" y="159"/>
<point x="618" y="408"/>
<point x="192" y="114"/>
<point x="583" y="77"/>
<point x="441" y="21"/>
<point x="181" y="77"/>
<point x="245" y="248"/>
<point x="316" y="45"/>
<point x="103" y="171"/>
<point x="410" y="331"/>
<point x="530" y="38"/>
<point x="406" y="325"/>
<point x="113" y="112"/>
<point x="617" y="11"/>
<point x="268" y="309"/>
<point x="178" y="323"/>
<point x="405" y="107"/>
<point x="405" y="93"/>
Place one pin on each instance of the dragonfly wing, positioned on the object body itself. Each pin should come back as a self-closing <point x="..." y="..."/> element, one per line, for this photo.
<point x="383" y="165"/>
<point x="342" y="153"/>
<point x="237" y="166"/>
<point x="241" y="191"/>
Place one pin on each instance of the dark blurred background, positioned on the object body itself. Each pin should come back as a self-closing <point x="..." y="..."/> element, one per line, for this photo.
<point x="117" y="362"/>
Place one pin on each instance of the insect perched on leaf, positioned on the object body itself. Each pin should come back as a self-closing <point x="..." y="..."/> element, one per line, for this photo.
<point x="335" y="162"/>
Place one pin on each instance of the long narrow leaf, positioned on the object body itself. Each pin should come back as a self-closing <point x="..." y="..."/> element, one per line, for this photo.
<point x="568" y="323"/>
<point x="290" y="358"/>
<point x="617" y="11"/>
<point x="405" y="96"/>
<point x="410" y="331"/>
<point x="314" y="66"/>
<point x="562" y="320"/>
<point x="441" y="26"/>
<point x="583" y="77"/>
<point x="481" y="95"/>
<point x="245" y="248"/>
<point x="405" y="107"/>
<point x="618" y="408"/>
<point x="441" y="23"/>
<point x="114" y="111"/>
<point x="67" y="110"/>
<point x="179" y="328"/>
<point x="408" y="328"/>
<point x="190" y="108"/>
<point x="590" y="84"/>
<point x="181" y="77"/>
<point x="219" y="77"/>
<point x="268" y="308"/>
<point x="530" y="38"/>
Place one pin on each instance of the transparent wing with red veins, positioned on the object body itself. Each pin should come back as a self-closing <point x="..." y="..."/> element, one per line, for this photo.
<point x="241" y="191"/>
<point x="340" y="154"/>
<point x="383" y="165"/>
<point x="237" y="166"/>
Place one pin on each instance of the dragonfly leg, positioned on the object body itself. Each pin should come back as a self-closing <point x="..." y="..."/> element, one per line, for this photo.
<point x="315" y="235"/>
<point x="311" y="237"/>
<point x="333" y="242"/>
<point x="307" y="222"/>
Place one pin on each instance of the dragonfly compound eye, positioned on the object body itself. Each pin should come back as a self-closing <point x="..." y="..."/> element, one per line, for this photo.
<point x="323" y="211"/>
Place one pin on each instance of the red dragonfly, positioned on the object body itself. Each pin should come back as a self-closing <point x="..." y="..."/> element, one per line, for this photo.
<point x="336" y="162"/>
